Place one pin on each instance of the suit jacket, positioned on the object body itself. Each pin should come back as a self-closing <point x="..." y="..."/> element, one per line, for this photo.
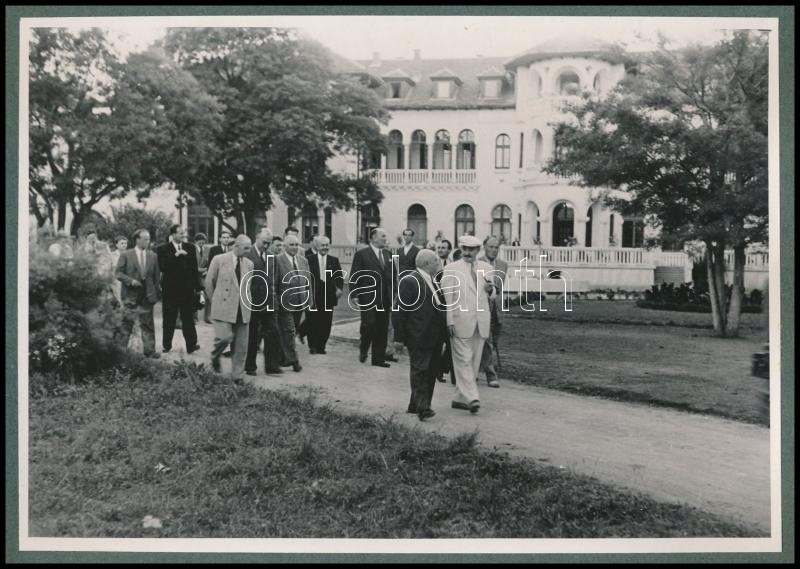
<point x="128" y="270"/>
<point x="369" y="282"/>
<point x="262" y="289"/>
<point x="468" y="304"/>
<point x="324" y="293"/>
<point x="407" y="262"/>
<point x="215" y="250"/>
<point x="223" y="288"/>
<point x="202" y="257"/>
<point x="500" y="279"/>
<point x="418" y="323"/>
<point x="179" y="275"/>
<point x="293" y="288"/>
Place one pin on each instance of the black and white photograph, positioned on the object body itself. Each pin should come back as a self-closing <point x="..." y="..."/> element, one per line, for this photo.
<point x="399" y="284"/>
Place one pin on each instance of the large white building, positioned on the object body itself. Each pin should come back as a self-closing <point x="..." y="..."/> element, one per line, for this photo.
<point x="467" y="141"/>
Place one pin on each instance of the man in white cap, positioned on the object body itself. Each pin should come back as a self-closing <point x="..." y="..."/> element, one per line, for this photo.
<point x="467" y="291"/>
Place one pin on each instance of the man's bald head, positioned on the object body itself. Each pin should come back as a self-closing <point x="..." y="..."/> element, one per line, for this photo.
<point x="429" y="262"/>
<point x="242" y="245"/>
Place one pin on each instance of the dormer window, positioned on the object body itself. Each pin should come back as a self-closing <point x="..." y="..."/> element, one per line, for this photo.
<point x="445" y="83"/>
<point x="397" y="84"/>
<point x="444" y="89"/>
<point x="490" y="88"/>
<point x="395" y="90"/>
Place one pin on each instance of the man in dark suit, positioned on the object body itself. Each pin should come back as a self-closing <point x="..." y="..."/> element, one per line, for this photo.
<point x="327" y="282"/>
<point x="263" y="319"/>
<point x="371" y="279"/>
<point x="180" y="280"/>
<point x="408" y="252"/>
<point x="137" y="270"/>
<point x="421" y="325"/>
<point x="225" y="245"/>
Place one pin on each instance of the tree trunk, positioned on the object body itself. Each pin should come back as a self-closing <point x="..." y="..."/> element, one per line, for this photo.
<point x="737" y="293"/>
<point x="718" y="312"/>
<point x="62" y="214"/>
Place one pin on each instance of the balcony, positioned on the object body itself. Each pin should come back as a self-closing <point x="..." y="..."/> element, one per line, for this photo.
<point x="554" y="105"/>
<point x="423" y="177"/>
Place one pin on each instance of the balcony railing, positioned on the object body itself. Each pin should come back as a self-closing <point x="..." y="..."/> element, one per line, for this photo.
<point x="555" y="105"/>
<point x="421" y="177"/>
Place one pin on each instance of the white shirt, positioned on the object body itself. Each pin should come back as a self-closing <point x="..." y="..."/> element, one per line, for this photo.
<point x="292" y="261"/>
<point x="429" y="281"/>
<point x="322" y="264"/>
<point x="378" y="254"/>
<point x="407" y="248"/>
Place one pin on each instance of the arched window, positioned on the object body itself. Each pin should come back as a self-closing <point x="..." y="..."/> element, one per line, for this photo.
<point x="442" y="151"/>
<point x="563" y="224"/>
<point x="538" y="147"/>
<point x="588" y="238"/>
<point x="502" y="152"/>
<point x="419" y="151"/>
<point x="394" y="158"/>
<point x="465" y="156"/>
<point x="418" y="221"/>
<point x="568" y="83"/>
<point x="465" y="221"/>
<point x="370" y="218"/>
<point x="501" y="222"/>
<point x="310" y="222"/>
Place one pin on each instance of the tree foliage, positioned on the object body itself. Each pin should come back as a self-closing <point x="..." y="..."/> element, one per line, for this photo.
<point x="126" y="219"/>
<point x="101" y="128"/>
<point x="287" y="114"/>
<point x="686" y="139"/>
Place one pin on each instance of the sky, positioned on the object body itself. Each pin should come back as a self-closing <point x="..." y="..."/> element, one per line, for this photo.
<point x="358" y="37"/>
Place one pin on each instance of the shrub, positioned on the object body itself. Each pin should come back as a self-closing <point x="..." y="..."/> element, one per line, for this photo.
<point x="73" y="321"/>
<point x="128" y="218"/>
<point x="689" y="298"/>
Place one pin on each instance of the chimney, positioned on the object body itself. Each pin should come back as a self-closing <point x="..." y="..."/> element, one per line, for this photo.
<point x="417" y="55"/>
<point x="376" y="59"/>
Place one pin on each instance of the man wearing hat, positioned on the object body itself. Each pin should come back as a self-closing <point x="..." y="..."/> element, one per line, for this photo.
<point x="467" y="290"/>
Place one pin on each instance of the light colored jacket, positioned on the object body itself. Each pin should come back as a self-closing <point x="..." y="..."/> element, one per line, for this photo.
<point x="468" y="304"/>
<point x="223" y="289"/>
<point x="293" y="288"/>
<point x="500" y="278"/>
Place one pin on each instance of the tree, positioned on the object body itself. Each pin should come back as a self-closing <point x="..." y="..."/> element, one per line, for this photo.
<point x="686" y="139"/>
<point x="101" y="128"/>
<point x="287" y="113"/>
<point x="126" y="219"/>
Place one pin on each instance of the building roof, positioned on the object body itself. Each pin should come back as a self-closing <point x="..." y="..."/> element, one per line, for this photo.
<point x="399" y="74"/>
<point x="568" y="46"/>
<point x="424" y="71"/>
<point x="492" y="73"/>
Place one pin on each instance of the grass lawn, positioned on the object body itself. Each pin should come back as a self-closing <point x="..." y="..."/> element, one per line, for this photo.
<point x="614" y="349"/>
<point x="243" y="462"/>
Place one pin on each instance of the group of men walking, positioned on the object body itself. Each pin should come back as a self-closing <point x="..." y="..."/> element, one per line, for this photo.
<point x="270" y="291"/>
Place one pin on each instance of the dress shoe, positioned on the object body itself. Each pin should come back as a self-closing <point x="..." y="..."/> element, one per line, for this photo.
<point x="166" y="350"/>
<point x="226" y="354"/>
<point x="362" y="358"/>
<point x="383" y="364"/>
<point x="252" y="372"/>
<point x="391" y="359"/>
<point x="459" y="405"/>
<point x="323" y="352"/>
<point x="193" y="349"/>
<point x="302" y="338"/>
<point x="215" y="365"/>
<point x="207" y="321"/>
<point x="474" y="406"/>
<point x="275" y="371"/>
<point x="493" y="383"/>
<point x="312" y="351"/>
<point x="426" y="414"/>
<point x="441" y="379"/>
<point x="296" y="366"/>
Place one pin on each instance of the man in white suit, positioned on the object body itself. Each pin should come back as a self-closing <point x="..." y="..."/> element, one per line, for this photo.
<point x="230" y="311"/>
<point x="467" y="295"/>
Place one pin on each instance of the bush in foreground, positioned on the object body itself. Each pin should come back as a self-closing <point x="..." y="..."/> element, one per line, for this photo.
<point x="203" y="456"/>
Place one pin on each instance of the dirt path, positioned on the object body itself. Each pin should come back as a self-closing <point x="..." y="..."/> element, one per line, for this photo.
<point x="718" y="465"/>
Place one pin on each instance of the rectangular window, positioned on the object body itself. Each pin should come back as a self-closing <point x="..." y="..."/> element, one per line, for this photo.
<point x="201" y="220"/>
<point x="491" y="89"/>
<point x="443" y="89"/>
<point x="395" y="90"/>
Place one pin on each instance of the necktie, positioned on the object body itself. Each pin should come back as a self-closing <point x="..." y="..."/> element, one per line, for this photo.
<point x="380" y="259"/>
<point x="238" y="269"/>
<point x="263" y="257"/>
<point x="294" y="263"/>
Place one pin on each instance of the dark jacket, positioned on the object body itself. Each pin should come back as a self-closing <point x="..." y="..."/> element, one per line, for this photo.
<point x="371" y="284"/>
<point x="407" y="262"/>
<point x="325" y="293"/>
<point x="214" y="251"/>
<point x="179" y="274"/>
<point x="128" y="270"/>
<point x="261" y="293"/>
<point x="418" y="323"/>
